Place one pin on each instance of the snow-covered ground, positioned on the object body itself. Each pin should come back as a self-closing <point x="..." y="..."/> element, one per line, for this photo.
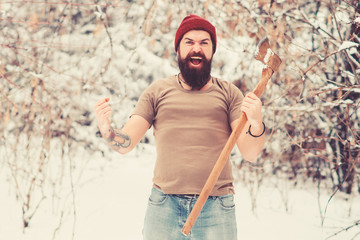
<point x="112" y="197"/>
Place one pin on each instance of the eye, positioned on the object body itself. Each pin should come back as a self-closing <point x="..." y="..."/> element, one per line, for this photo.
<point x="189" y="42"/>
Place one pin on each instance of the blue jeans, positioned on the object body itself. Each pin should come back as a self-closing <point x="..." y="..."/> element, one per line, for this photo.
<point x="166" y="214"/>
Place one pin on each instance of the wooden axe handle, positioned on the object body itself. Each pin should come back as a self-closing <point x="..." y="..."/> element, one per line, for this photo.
<point x="224" y="156"/>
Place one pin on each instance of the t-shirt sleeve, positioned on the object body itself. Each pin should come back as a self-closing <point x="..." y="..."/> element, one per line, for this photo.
<point x="235" y="100"/>
<point x="145" y="106"/>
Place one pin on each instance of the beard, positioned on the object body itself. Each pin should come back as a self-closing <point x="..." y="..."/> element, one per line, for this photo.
<point x="195" y="77"/>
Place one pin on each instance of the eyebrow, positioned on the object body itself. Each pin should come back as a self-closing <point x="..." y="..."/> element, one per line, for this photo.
<point x="203" y="40"/>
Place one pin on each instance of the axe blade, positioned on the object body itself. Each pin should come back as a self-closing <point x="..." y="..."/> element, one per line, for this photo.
<point x="267" y="56"/>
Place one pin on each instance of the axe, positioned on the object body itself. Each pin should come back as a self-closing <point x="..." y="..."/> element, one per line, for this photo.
<point x="272" y="63"/>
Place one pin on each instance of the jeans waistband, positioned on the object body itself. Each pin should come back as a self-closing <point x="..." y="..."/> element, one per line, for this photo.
<point x="191" y="196"/>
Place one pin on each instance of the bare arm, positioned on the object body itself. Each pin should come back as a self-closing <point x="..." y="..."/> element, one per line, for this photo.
<point x="122" y="140"/>
<point x="250" y="147"/>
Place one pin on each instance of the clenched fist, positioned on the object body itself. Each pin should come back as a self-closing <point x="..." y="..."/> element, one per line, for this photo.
<point x="252" y="105"/>
<point x="103" y="112"/>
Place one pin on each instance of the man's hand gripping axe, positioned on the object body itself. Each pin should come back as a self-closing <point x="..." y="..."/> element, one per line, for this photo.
<point x="272" y="63"/>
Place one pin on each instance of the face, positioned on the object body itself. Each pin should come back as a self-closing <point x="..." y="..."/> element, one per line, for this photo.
<point x="195" y="53"/>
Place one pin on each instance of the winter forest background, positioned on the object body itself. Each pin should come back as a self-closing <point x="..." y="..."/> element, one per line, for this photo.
<point x="57" y="58"/>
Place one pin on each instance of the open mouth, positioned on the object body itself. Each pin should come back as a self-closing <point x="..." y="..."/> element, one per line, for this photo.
<point x="196" y="60"/>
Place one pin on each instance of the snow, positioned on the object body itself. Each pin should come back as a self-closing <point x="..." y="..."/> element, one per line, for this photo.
<point x="112" y="204"/>
<point x="348" y="44"/>
<point x="269" y="54"/>
<point x="343" y="16"/>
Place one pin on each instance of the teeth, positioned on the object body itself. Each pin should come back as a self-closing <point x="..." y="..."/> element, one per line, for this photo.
<point x="199" y="58"/>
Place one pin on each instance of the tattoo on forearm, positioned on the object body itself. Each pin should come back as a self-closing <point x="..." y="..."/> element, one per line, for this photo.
<point x="118" y="138"/>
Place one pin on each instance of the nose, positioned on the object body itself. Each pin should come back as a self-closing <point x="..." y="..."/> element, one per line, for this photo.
<point x="197" y="48"/>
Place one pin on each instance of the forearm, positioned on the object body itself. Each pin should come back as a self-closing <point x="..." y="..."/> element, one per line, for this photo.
<point x="118" y="140"/>
<point x="251" y="143"/>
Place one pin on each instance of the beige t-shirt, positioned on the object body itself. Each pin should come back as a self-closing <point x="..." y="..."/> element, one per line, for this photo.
<point x="190" y="130"/>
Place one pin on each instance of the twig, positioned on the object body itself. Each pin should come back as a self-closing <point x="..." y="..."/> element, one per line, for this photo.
<point x="148" y="15"/>
<point x="357" y="223"/>
<point x="320" y="60"/>
<point x="58" y="27"/>
<point x="350" y="4"/>
<point x="106" y="25"/>
<point x="307" y="21"/>
<point x="8" y="80"/>
<point x="347" y="175"/>
<point x="322" y="215"/>
<point x="68" y="123"/>
<point x="59" y="225"/>
<point x="341" y="38"/>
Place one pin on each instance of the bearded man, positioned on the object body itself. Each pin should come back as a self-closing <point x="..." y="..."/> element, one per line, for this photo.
<point x="192" y="115"/>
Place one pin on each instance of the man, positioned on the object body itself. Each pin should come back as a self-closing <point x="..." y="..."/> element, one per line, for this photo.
<point x="192" y="114"/>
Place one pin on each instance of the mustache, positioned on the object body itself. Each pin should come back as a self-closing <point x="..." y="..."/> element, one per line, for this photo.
<point x="190" y="55"/>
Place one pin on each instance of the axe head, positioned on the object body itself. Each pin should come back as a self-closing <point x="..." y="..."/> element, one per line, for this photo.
<point x="267" y="56"/>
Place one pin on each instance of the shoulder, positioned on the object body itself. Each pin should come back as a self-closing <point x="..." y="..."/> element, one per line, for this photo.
<point x="157" y="88"/>
<point x="227" y="87"/>
<point x="161" y="84"/>
<point x="164" y="82"/>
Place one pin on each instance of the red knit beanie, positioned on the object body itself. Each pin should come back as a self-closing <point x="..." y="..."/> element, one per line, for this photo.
<point x="193" y="22"/>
